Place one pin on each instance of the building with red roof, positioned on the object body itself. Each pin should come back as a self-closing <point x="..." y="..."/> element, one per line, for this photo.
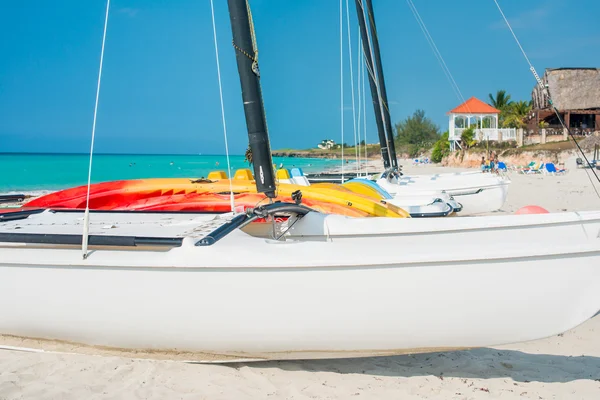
<point x="483" y="116"/>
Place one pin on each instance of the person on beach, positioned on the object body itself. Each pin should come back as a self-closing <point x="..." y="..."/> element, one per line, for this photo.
<point x="492" y="162"/>
<point x="496" y="163"/>
<point x="483" y="164"/>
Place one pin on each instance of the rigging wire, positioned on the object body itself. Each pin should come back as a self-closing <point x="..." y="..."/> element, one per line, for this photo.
<point x="364" y="98"/>
<point x="86" y="219"/>
<point x="376" y="81"/>
<point x="545" y="89"/>
<point x="214" y="26"/>
<point x="342" y="79"/>
<point x="359" y="101"/>
<point x="435" y="50"/>
<point x="351" y="81"/>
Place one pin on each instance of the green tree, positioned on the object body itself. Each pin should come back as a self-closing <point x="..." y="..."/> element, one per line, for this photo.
<point x="515" y="113"/>
<point x="441" y="148"/>
<point x="467" y="137"/>
<point x="502" y="102"/>
<point x="416" y="133"/>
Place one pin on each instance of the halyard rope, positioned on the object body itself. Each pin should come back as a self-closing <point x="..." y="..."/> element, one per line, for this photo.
<point x="86" y="219"/>
<point x="352" y="85"/>
<point x="376" y="81"/>
<point x="546" y="89"/>
<point x="342" y="80"/>
<point x="231" y="197"/>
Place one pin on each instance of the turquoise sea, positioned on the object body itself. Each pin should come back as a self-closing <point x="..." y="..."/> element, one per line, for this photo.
<point x="33" y="173"/>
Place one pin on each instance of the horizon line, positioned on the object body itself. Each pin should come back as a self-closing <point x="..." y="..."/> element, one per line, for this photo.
<point x="109" y="154"/>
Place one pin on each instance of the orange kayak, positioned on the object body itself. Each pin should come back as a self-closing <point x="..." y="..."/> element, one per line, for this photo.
<point x="171" y="194"/>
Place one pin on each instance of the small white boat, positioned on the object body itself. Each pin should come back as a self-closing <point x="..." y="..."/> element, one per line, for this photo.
<point x="478" y="193"/>
<point x="197" y="287"/>
<point x="418" y="205"/>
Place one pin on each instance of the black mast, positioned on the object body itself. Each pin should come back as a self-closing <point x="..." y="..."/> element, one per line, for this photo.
<point x="245" y="54"/>
<point x="383" y="142"/>
<point x="386" y="110"/>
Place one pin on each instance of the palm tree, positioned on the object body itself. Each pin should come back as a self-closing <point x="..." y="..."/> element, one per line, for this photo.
<point x="501" y="101"/>
<point x="515" y="113"/>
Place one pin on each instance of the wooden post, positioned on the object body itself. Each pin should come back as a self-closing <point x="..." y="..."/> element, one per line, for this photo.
<point x="597" y="123"/>
<point x="567" y="118"/>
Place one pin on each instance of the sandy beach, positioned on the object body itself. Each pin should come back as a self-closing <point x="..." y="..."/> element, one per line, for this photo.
<point x="566" y="366"/>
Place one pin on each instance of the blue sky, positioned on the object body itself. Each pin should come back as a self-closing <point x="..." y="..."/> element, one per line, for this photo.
<point x="159" y="88"/>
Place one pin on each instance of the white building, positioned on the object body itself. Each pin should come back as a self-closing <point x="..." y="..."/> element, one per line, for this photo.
<point x="326" y="144"/>
<point x="483" y="116"/>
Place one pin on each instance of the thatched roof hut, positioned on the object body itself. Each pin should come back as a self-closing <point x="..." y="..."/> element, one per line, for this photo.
<point x="575" y="93"/>
<point x="570" y="88"/>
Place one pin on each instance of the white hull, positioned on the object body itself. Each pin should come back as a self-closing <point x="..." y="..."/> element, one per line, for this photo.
<point x="426" y="205"/>
<point x="478" y="193"/>
<point x="482" y="199"/>
<point x="337" y="287"/>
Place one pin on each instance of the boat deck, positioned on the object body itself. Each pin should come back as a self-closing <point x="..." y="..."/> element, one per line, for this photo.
<point x="110" y="228"/>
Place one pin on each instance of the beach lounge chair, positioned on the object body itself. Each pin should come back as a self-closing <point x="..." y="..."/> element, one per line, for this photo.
<point x="298" y="177"/>
<point x="527" y="168"/>
<point x="538" y="169"/>
<point x="550" y="169"/>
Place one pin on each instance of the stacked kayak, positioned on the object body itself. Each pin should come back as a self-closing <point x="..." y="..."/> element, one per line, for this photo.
<point x="212" y="195"/>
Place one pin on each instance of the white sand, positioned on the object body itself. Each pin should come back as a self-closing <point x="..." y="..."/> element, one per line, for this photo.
<point x="560" y="367"/>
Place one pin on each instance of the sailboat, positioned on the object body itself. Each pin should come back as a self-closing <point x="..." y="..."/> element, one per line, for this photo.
<point x="211" y="288"/>
<point x="357" y="198"/>
<point x="477" y="192"/>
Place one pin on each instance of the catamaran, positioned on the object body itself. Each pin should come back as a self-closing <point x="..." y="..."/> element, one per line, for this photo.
<point x="224" y="287"/>
<point x="477" y="192"/>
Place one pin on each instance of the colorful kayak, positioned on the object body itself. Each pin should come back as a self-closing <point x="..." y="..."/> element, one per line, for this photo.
<point x="211" y="195"/>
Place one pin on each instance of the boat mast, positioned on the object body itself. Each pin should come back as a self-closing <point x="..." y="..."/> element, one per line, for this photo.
<point x="383" y="142"/>
<point x="246" y="54"/>
<point x="386" y="111"/>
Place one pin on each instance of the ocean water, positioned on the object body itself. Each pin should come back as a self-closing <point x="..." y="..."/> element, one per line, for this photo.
<point x="41" y="173"/>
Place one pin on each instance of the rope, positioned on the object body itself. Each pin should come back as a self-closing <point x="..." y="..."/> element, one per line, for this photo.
<point x="436" y="52"/>
<point x="352" y="82"/>
<point x="86" y="219"/>
<point x="364" y="98"/>
<point x="514" y="36"/>
<point x="231" y="197"/>
<point x="359" y="95"/>
<point x="342" y="79"/>
<point x="547" y="90"/>
<point x="372" y="22"/>
<point x="374" y="77"/>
